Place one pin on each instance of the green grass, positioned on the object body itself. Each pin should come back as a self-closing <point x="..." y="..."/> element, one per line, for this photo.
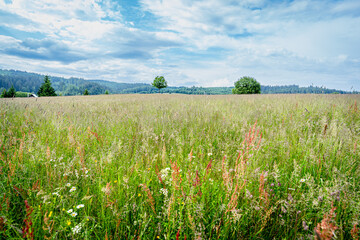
<point x="170" y="166"/>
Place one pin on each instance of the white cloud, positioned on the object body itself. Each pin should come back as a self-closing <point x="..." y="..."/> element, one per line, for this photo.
<point x="203" y="42"/>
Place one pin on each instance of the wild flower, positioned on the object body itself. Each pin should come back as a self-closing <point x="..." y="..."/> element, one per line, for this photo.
<point x="68" y="222"/>
<point x="209" y="154"/>
<point x="290" y="198"/>
<point x="74" y="214"/>
<point x="164" y="191"/>
<point x="50" y="213"/>
<point x="164" y="173"/>
<point x="107" y="189"/>
<point x="305" y="227"/>
<point x="302" y="180"/>
<point x="70" y="211"/>
<point x="56" y="193"/>
<point x="236" y="215"/>
<point x="77" y="228"/>
<point x="80" y="206"/>
<point x="68" y="184"/>
<point x="72" y="189"/>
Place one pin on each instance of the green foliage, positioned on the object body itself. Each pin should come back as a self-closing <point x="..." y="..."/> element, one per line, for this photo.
<point x="159" y="82"/>
<point x="9" y="93"/>
<point x="106" y="92"/>
<point x="246" y="85"/>
<point x="22" y="94"/>
<point x="86" y="92"/>
<point x="46" y="89"/>
<point x="4" y="93"/>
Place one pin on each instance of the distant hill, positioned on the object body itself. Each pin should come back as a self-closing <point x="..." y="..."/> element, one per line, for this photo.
<point x="31" y="82"/>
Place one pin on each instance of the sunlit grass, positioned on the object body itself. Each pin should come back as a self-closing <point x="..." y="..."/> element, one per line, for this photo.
<point x="174" y="166"/>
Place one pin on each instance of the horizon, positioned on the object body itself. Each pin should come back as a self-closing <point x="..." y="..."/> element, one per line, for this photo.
<point x="278" y="43"/>
<point x="262" y="85"/>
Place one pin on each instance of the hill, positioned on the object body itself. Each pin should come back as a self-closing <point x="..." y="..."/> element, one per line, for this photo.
<point x="31" y="82"/>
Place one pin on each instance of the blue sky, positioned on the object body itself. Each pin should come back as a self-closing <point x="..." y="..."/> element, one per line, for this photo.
<point x="189" y="42"/>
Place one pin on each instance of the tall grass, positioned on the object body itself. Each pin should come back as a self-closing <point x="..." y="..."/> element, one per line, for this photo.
<point x="180" y="167"/>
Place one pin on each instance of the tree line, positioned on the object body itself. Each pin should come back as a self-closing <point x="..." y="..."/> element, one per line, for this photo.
<point x="26" y="83"/>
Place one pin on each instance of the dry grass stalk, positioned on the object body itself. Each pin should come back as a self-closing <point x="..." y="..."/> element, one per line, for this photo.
<point x="159" y="176"/>
<point x="49" y="224"/>
<point x="27" y="231"/>
<point x="266" y="218"/>
<point x="176" y="175"/>
<point x="263" y="194"/>
<point x="225" y="175"/>
<point x="234" y="198"/>
<point x="48" y="153"/>
<point x="172" y="200"/>
<point x="355" y="232"/>
<point x="150" y="198"/>
<point x="326" y="229"/>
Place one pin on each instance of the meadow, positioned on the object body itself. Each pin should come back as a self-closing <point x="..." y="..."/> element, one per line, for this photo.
<point x="168" y="166"/>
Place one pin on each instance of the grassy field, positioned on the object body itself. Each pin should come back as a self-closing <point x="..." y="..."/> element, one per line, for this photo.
<point x="180" y="167"/>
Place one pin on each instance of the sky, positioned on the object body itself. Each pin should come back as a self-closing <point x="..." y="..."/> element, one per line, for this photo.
<point x="209" y="43"/>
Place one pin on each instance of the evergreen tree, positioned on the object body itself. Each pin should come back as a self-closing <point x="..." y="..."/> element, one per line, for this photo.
<point x="11" y="92"/>
<point x="4" y="94"/>
<point x="86" y="92"/>
<point x="106" y="92"/>
<point x="46" y="89"/>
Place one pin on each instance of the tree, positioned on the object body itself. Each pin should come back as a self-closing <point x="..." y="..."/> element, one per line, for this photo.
<point x="106" y="92"/>
<point x="246" y="85"/>
<point x="86" y="92"/>
<point x="46" y="89"/>
<point x="9" y="93"/>
<point x="159" y="82"/>
<point x="4" y="94"/>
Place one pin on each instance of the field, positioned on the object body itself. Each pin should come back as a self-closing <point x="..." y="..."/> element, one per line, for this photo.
<point x="180" y="167"/>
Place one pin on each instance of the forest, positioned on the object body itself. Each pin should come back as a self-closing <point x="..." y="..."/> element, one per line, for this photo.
<point x="26" y="82"/>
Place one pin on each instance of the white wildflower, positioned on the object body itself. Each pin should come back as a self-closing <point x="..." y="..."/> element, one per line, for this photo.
<point x="209" y="154"/>
<point x="69" y="211"/>
<point x="74" y="214"/>
<point x="80" y="206"/>
<point x="68" y="184"/>
<point x="77" y="228"/>
<point x="164" y="191"/>
<point x="72" y="189"/>
<point x="302" y="180"/>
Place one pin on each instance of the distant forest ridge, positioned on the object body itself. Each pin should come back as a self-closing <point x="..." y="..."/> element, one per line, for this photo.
<point x="31" y="82"/>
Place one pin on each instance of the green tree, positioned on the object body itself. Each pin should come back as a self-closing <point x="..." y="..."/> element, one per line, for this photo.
<point x="106" y="92"/>
<point x="159" y="82"/>
<point x="246" y="85"/>
<point x="46" y="89"/>
<point x="9" y="93"/>
<point x="4" y="94"/>
<point x="86" y="92"/>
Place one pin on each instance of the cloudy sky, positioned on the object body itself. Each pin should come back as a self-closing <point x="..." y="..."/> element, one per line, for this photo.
<point x="189" y="42"/>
